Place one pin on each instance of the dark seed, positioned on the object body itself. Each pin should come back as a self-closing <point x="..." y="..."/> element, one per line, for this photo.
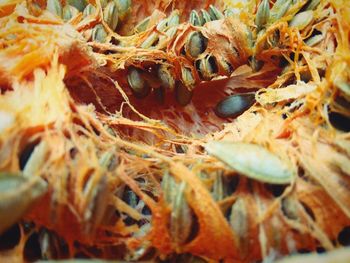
<point x="339" y="121"/>
<point x="344" y="236"/>
<point x="205" y="15"/>
<point x="137" y="84"/>
<point x="207" y="67"/>
<point x="159" y="94"/>
<point x="183" y="94"/>
<point x="234" y="105"/>
<point x="196" y="44"/>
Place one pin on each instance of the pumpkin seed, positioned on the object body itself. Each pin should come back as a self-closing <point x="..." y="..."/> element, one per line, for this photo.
<point x="214" y="13"/>
<point x="110" y="15"/>
<point x="251" y="160"/>
<point x="263" y="14"/>
<point x="279" y="9"/>
<point x="195" y="19"/>
<point x="168" y="186"/>
<point x="183" y="94"/>
<point x="205" y="16"/>
<point x="231" y="12"/>
<point x="218" y="190"/>
<point x="142" y="26"/>
<point x="187" y="77"/>
<point x="302" y="20"/>
<point x="239" y="222"/>
<point x="339" y="121"/>
<point x="55" y="7"/>
<point x="314" y="40"/>
<point x="138" y="85"/>
<point x="255" y="64"/>
<point x="78" y="4"/>
<point x="89" y="10"/>
<point x="124" y="8"/>
<point x="69" y="11"/>
<point x="181" y="217"/>
<point x="17" y="194"/>
<point x="153" y="37"/>
<point x="166" y="79"/>
<point x="207" y="67"/>
<point x="312" y="4"/>
<point x="99" y="34"/>
<point x="235" y="105"/>
<point x="196" y="44"/>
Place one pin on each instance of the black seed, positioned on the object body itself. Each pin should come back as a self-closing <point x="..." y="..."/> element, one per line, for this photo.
<point x="339" y="121"/>
<point x="234" y="105"/>
<point x="32" y="251"/>
<point x="10" y="238"/>
<point x="344" y="236"/>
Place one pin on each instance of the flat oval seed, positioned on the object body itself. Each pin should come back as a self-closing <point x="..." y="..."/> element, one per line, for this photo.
<point x="78" y="4"/>
<point x="110" y="15"/>
<point x="99" y="34"/>
<point x="302" y="20"/>
<point x="207" y="67"/>
<point x="205" y="16"/>
<point x="142" y="26"/>
<point x="124" y="7"/>
<point x="183" y="94"/>
<point x="174" y="19"/>
<point x="137" y="84"/>
<point x="214" y="13"/>
<point x="251" y="160"/>
<point x="166" y="79"/>
<point x="196" y="44"/>
<point x="234" y="105"/>
<point x="55" y="7"/>
<point x="279" y="9"/>
<point x="89" y="10"/>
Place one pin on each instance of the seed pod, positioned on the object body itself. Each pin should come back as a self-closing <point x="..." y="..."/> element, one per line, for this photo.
<point x="195" y="19"/>
<point x="142" y="26"/>
<point x="124" y="7"/>
<point x="235" y="105"/>
<point x="314" y="40"/>
<point x="69" y="12"/>
<point x="196" y="44"/>
<point x="263" y="14"/>
<point x="214" y="13"/>
<point x="89" y="10"/>
<point x="78" y="4"/>
<point x="55" y="7"/>
<point x="183" y="94"/>
<point x="207" y="67"/>
<point x="312" y="4"/>
<point x="138" y="85"/>
<point x="166" y="78"/>
<point x="17" y="195"/>
<point x="302" y="20"/>
<point x="99" y="34"/>
<point x="205" y="16"/>
<point x="110" y="15"/>
<point x="251" y="160"/>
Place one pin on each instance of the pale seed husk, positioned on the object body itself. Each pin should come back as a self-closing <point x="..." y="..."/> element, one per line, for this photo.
<point x="251" y="160"/>
<point x="207" y="67"/>
<point x="174" y="19"/>
<point x="99" y="34"/>
<point x="78" y="4"/>
<point x="110" y="15"/>
<point x="89" y="10"/>
<point x="205" y="16"/>
<point x="239" y="222"/>
<point x="17" y="194"/>
<point x="302" y="20"/>
<point x="279" y="9"/>
<point x="263" y="14"/>
<point x="214" y="13"/>
<point x="69" y="12"/>
<point x="55" y="7"/>
<point x="124" y="8"/>
<point x="314" y="40"/>
<point x="142" y="26"/>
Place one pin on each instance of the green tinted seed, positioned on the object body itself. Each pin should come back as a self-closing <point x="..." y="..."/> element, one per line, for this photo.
<point x="110" y="15"/>
<point x="214" y="13"/>
<point x="55" y="7"/>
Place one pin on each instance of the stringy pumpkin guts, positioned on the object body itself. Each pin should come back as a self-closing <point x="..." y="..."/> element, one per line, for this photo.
<point x="180" y="131"/>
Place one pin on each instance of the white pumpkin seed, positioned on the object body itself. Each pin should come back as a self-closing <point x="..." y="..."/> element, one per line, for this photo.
<point x="302" y="19"/>
<point x="252" y="161"/>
